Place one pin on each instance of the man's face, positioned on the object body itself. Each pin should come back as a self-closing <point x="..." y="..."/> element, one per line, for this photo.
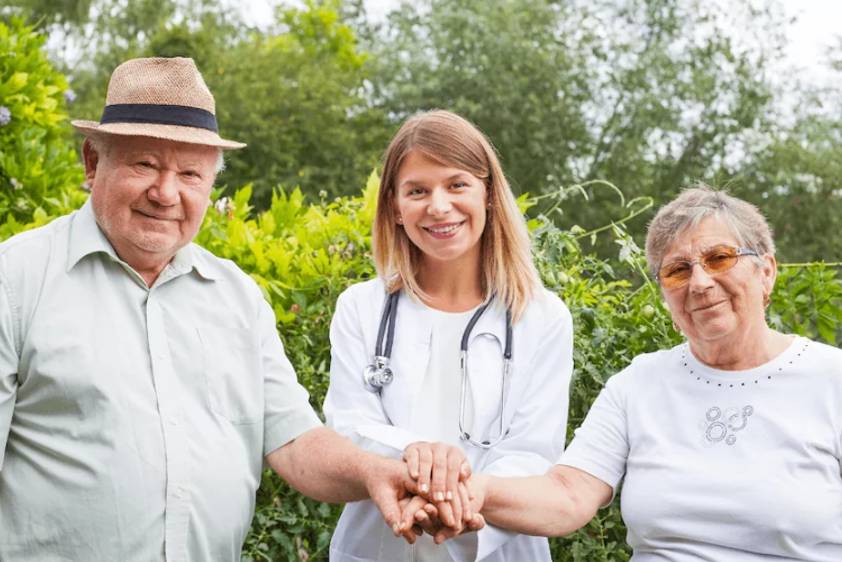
<point x="150" y="195"/>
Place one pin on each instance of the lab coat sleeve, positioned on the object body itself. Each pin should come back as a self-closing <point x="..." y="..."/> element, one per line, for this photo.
<point x="539" y="423"/>
<point x="8" y="364"/>
<point x="349" y="408"/>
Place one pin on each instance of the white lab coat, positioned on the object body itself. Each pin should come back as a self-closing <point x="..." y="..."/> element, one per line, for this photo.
<point x="535" y="410"/>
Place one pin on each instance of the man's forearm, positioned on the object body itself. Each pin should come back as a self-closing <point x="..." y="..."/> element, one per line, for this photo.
<point x="327" y="467"/>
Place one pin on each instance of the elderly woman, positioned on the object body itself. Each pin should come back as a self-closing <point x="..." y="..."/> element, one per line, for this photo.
<point x="729" y="444"/>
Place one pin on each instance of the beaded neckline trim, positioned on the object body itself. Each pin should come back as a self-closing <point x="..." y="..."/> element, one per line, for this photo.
<point x="757" y="380"/>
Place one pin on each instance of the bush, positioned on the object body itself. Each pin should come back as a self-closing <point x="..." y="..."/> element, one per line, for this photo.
<point x="39" y="170"/>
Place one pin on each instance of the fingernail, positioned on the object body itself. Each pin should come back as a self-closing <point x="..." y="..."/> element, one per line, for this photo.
<point x="439" y="497"/>
<point x="449" y="495"/>
<point x="396" y="528"/>
<point x="424" y="488"/>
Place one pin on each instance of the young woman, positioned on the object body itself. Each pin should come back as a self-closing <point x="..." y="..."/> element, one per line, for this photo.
<point x="455" y="353"/>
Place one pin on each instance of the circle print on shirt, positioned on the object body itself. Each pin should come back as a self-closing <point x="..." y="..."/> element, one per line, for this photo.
<point x="723" y="426"/>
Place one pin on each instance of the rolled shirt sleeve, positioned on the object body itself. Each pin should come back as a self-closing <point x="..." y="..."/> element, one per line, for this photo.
<point x="287" y="410"/>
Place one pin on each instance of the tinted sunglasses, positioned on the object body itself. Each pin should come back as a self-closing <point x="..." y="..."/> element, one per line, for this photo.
<point x="716" y="260"/>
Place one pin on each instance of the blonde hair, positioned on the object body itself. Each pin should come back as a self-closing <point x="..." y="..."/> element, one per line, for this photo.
<point x="505" y="257"/>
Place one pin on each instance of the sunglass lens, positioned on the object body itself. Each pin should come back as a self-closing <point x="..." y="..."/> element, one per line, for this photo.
<point x="719" y="259"/>
<point x="675" y="274"/>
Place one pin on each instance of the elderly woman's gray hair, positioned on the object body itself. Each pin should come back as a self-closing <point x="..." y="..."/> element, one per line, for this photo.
<point x="694" y="205"/>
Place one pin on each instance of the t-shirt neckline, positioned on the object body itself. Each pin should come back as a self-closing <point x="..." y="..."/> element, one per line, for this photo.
<point x="762" y="373"/>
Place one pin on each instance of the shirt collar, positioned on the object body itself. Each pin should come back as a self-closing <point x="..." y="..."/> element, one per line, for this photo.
<point x="87" y="238"/>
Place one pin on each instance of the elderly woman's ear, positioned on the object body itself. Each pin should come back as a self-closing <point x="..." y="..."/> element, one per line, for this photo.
<point x="769" y="269"/>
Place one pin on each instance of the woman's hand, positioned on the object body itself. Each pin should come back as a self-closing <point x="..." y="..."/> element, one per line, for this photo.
<point x="472" y="495"/>
<point x="438" y="468"/>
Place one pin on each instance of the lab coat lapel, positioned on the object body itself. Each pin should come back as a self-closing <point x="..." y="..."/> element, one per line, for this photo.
<point x="410" y="357"/>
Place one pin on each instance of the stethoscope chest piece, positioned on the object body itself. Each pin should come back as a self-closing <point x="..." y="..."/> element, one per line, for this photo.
<point x="377" y="374"/>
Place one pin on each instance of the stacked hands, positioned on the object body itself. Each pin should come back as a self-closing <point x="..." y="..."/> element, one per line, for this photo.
<point x="442" y="498"/>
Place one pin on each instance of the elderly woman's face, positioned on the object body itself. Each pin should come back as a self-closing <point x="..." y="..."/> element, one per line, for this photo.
<point x="720" y="305"/>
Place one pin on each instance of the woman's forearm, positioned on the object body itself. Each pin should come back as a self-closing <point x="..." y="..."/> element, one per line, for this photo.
<point x="551" y="505"/>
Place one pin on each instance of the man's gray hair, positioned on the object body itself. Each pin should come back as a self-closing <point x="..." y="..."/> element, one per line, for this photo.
<point x="695" y="204"/>
<point x="102" y="146"/>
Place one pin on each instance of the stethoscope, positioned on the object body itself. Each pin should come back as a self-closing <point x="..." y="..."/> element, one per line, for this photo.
<point x="378" y="373"/>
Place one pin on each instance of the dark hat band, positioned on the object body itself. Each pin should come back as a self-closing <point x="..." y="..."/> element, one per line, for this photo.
<point x="160" y="114"/>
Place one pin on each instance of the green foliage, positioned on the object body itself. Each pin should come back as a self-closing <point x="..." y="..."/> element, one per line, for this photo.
<point x="38" y="166"/>
<point x="650" y="94"/>
<point x="507" y="66"/>
<point x="797" y="181"/>
<point x="294" y="92"/>
<point x="295" y="96"/>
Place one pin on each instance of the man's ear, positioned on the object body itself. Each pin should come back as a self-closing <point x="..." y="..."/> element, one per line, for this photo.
<point x="91" y="159"/>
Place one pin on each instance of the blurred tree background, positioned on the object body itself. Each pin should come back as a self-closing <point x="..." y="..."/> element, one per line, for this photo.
<point x="652" y="95"/>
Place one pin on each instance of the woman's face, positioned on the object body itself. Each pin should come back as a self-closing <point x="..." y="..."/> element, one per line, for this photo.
<point x="711" y="308"/>
<point x="442" y="209"/>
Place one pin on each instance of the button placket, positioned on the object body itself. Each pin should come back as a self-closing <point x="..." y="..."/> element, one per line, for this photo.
<point x="166" y="390"/>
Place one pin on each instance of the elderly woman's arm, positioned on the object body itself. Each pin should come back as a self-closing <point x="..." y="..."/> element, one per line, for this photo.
<point x="555" y="504"/>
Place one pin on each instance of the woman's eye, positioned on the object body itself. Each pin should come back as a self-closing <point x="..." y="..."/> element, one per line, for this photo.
<point x="677" y="269"/>
<point x="718" y="257"/>
<point x="460" y="185"/>
<point x="415" y="191"/>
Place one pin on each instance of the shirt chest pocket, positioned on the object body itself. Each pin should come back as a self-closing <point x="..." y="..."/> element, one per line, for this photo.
<point x="233" y="375"/>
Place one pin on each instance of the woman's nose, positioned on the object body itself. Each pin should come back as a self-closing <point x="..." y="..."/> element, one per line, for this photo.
<point x="700" y="280"/>
<point x="439" y="203"/>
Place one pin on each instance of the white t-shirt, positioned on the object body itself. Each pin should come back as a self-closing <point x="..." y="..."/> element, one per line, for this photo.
<point x="723" y="466"/>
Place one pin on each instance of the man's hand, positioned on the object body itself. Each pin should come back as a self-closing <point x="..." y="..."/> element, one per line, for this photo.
<point x="388" y="482"/>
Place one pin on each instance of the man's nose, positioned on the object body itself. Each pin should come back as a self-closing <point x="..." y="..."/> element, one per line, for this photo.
<point x="165" y="189"/>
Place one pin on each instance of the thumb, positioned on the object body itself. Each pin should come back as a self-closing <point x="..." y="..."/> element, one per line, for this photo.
<point x="465" y="471"/>
<point x="386" y="500"/>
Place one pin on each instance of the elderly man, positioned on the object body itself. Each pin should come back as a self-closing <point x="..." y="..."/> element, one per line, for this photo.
<point x="142" y="380"/>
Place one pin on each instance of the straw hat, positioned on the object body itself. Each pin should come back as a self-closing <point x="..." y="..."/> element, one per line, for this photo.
<point x="164" y="98"/>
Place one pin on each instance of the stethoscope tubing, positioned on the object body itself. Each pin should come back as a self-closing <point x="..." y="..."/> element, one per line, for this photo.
<point x="383" y="352"/>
